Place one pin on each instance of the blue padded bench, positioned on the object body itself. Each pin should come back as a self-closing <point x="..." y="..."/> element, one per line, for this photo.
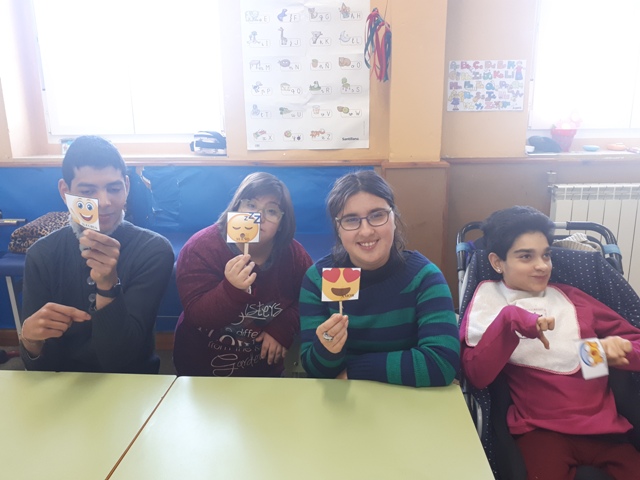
<point x="184" y="200"/>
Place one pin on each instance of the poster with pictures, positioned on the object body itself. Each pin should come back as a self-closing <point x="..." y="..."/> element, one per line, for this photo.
<point x="306" y="86"/>
<point x="481" y="85"/>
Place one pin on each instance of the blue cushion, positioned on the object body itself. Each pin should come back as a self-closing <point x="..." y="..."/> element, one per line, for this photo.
<point x="12" y="264"/>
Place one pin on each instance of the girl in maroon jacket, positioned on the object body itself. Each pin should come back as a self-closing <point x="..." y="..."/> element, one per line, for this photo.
<point x="241" y="311"/>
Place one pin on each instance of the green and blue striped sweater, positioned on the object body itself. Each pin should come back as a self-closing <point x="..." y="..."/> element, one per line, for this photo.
<point x="402" y="329"/>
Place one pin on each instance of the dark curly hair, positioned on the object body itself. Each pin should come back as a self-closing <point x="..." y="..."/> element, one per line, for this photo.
<point x="91" y="151"/>
<point x="502" y="228"/>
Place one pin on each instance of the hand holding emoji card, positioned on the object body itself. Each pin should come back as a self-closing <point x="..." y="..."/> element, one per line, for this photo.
<point x="243" y="228"/>
<point x="340" y="284"/>
<point x="84" y="211"/>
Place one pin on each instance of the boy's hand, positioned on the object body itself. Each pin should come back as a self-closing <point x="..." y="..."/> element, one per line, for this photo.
<point x="51" y="321"/>
<point x="543" y="324"/>
<point x="102" y="257"/>
<point x="616" y="349"/>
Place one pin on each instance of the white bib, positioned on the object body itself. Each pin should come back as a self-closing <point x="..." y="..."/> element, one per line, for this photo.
<point x="489" y="300"/>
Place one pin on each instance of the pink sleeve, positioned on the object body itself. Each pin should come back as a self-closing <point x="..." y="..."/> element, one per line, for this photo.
<point x="482" y="364"/>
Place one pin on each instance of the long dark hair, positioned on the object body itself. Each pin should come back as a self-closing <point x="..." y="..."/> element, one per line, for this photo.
<point x="259" y="184"/>
<point x="348" y="185"/>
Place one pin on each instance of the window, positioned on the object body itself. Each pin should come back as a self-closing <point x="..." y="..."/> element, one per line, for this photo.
<point x="129" y="69"/>
<point x="587" y="64"/>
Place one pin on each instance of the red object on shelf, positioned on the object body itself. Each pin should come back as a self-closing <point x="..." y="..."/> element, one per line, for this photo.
<point x="564" y="137"/>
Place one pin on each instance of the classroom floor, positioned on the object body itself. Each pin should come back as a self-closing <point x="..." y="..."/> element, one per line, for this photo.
<point x="166" y="362"/>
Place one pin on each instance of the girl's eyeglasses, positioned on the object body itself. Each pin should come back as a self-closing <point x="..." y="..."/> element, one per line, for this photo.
<point x="270" y="212"/>
<point x="375" y="219"/>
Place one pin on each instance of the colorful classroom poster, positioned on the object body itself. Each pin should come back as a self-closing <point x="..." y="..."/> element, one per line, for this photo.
<point x="478" y="85"/>
<point x="306" y="86"/>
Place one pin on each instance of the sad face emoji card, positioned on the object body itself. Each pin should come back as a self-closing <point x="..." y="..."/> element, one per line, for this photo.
<point x="84" y="211"/>
<point x="340" y="284"/>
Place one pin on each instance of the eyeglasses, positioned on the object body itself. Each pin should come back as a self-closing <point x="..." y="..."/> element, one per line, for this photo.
<point x="270" y="212"/>
<point x="375" y="219"/>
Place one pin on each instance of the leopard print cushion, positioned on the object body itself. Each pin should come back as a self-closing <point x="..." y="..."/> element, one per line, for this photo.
<point x="25" y="236"/>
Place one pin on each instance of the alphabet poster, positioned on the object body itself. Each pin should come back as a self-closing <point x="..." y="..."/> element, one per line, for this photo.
<point x="479" y="85"/>
<point x="306" y="85"/>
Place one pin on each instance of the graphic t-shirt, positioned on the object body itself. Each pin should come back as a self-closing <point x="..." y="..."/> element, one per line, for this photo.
<point x="233" y="349"/>
<point x="217" y="333"/>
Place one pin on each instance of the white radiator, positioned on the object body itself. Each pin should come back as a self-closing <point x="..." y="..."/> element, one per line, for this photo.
<point x="615" y="205"/>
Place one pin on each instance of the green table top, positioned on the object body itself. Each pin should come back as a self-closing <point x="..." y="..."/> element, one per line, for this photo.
<point x="71" y="425"/>
<point x="236" y="428"/>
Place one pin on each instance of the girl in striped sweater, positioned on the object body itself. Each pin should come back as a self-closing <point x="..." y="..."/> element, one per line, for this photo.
<point x="402" y="328"/>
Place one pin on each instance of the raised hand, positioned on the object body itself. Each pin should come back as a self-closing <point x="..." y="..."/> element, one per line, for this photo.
<point x="333" y="333"/>
<point x="239" y="272"/>
<point x="102" y="254"/>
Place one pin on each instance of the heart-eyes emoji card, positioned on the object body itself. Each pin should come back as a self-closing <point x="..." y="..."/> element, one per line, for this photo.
<point x="340" y="284"/>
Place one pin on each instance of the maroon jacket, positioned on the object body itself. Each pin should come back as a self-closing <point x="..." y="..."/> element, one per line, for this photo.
<point x="215" y="335"/>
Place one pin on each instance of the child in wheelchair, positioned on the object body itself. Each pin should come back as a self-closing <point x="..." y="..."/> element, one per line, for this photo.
<point x="530" y="330"/>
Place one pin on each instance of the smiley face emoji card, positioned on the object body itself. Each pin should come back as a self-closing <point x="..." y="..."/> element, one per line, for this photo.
<point x="340" y="284"/>
<point x="243" y="227"/>
<point x="84" y="211"/>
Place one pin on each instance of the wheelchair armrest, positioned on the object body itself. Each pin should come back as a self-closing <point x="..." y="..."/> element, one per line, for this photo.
<point x="509" y="461"/>
<point x="624" y="392"/>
